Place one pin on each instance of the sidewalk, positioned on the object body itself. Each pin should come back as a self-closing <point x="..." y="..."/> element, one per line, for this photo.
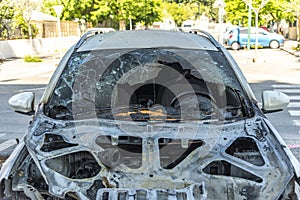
<point x="289" y="45"/>
<point x="17" y="71"/>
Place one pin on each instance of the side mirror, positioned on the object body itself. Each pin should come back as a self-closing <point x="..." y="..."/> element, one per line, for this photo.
<point x="22" y="102"/>
<point x="273" y="101"/>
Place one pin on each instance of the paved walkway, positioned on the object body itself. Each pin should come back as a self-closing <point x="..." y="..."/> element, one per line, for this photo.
<point x="289" y="45"/>
<point x="17" y="71"/>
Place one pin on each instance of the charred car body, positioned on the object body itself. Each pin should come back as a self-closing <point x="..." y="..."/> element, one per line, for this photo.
<point x="149" y="115"/>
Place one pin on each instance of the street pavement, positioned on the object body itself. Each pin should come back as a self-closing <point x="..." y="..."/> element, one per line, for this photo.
<point x="17" y="71"/>
<point x="278" y="70"/>
<point x="18" y="76"/>
<point x="268" y="69"/>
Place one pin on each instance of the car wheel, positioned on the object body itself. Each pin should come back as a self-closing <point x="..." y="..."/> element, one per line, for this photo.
<point x="274" y="44"/>
<point x="235" y="46"/>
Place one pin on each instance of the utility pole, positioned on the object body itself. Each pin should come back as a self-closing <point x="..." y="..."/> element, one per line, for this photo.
<point x="249" y="23"/>
<point x="221" y="5"/>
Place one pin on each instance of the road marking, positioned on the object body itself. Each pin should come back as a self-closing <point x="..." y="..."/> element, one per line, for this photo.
<point x="294" y="113"/>
<point x="2" y="134"/>
<point x="32" y="89"/>
<point x="294" y="97"/>
<point x="291" y="146"/>
<point x="288" y="90"/>
<point x="290" y="105"/>
<point x="7" y="144"/>
<point x="296" y="122"/>
<point x="294" y="105"/>
<point x="285" y="86"/>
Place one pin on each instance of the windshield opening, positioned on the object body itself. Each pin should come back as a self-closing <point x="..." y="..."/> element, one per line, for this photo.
<point x="170" y="85"/>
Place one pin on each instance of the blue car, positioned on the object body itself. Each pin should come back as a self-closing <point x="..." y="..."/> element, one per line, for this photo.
<point x="238" y="37"/>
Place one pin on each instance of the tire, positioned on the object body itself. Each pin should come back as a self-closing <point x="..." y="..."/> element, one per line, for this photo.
<point x="235" y="46"/>
<point x="274" y="44"/>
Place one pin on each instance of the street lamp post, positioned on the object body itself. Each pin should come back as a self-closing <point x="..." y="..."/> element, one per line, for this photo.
<point x="221" y="5"/>
<point x="249" y="23"/>
<point x="298" y="23"/>
<point x="58" y="10"/>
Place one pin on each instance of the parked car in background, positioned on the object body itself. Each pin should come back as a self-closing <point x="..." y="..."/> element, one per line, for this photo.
<point x="188" y="25"/>
<point x="238" y="37"/>
<point x="100" y="30"/>
<point x="149" y="115"/>
<point x="227" y="32"/>
<point x="265" y="28"/>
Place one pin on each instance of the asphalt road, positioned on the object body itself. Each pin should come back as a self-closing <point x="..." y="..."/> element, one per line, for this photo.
<point x="17" y="76"/>
<point x="275" y="70"/>
<point x="272" y="70"/>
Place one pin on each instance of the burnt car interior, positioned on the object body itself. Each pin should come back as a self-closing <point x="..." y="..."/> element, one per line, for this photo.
<point x="139" y="81"/>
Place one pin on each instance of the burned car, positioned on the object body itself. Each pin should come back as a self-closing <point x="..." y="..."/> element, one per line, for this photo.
<point x="149" y="115"/>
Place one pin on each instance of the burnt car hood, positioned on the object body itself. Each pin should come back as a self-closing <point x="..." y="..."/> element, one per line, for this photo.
<point x="107" y="159"/>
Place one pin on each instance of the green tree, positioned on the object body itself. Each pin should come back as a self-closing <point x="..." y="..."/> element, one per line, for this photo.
<point x="198" y="7"/>
<point x="73" y="9"/>
<point x="150" y="12"/>
<point x="236" y="12"/>
<point x="275" y="10"/>
<point x="6" y="15"/>
<point x="16" y="15"/>
<point x="143" y="11"/>
<point x="282" y="9"/>
<point x="179" y="12"/>
<point x="256" y="6"/>
<point x="96" y="11"/>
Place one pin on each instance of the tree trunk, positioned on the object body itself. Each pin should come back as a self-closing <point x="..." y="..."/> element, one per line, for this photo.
<point x="256" y="31"/>
<point x="122" y="25"/>
<point x="30" y="39"/>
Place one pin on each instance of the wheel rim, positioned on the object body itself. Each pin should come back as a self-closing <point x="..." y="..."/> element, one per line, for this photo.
<point x="235" y="46"/>
<point x="274" y="44"/>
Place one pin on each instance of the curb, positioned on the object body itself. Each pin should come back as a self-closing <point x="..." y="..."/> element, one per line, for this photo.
<point x="289" y="49"/>
<point x="293" y="52"/>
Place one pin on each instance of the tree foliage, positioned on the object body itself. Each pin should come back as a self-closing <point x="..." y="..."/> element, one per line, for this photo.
<point x="179" y="12"/>
<point x="144" y="11"/>
<point x="15" y="17"/>
<point x="282" y="9"/>
<point x="274" y="10"/>
<point x="96" y="11"/>
<point x="236" y="12"/>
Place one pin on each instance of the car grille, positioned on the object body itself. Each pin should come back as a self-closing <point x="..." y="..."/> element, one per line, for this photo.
<point x="193" y="192"/>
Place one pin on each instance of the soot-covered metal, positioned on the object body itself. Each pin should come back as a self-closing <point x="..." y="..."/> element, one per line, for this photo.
<point x="150" y="123"/>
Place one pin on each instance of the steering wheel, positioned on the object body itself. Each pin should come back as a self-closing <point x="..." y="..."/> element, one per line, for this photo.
<point x="196" y="106"/>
